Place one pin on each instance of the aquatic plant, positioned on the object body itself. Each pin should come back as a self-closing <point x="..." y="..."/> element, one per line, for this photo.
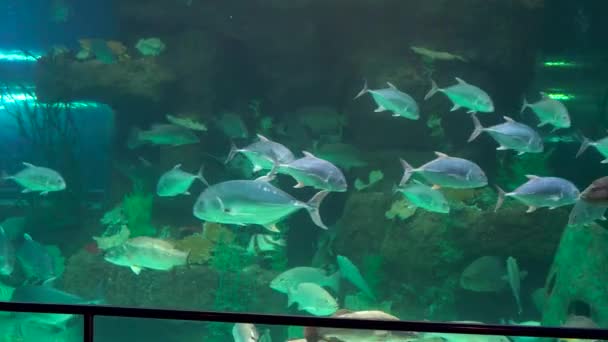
<point x="137" y="208"/>
<point x="374" y="177"/>
<point x="401" y="209"/>
<point x="202" y="246"/>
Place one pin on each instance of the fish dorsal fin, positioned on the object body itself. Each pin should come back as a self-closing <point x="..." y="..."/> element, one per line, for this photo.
<point x="441" y="155"/>
<point x="308" y="154"/>
<point x="28" y="164"/>
<point x="390" y="85"/>
<point x="532" y="176"/>
<point x="460" y="80"/>
<point x="262" y="138"/>
<point x="177" y="166"/>
<point x="508" y="119"/>
<point x="27" y="237"/>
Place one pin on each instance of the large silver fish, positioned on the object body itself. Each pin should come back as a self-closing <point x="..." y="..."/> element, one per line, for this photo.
<point x="464" y="95"/>
<point x="263" y="154"/>
<point x="449" y="172"/>
<point x="38" y="179"/>
<point x="510" y="135"/>
<point x="302" y="274"/>
<point x="244" y="202"/>
<point x="393" y="100"/>
<point x="423" y="196"/>
<point x="537" y="192"/>
<point x="549" y="111"/>
<point x="146" y="252"/>
<point x="313" y="299"/>
<point x="162" y="134"/>
<point x="600" y="145"/>
<point x="315" y="172"/>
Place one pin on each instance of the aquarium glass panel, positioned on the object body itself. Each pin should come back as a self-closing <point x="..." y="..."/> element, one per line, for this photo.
<point x="35" y="327"/>
<point x="430" y="160"/>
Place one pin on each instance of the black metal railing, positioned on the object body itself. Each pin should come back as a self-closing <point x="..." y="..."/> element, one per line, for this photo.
<point x="89" y="312"/>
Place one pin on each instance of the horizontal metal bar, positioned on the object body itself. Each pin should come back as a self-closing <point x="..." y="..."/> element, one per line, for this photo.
<point x="290" y="320"/>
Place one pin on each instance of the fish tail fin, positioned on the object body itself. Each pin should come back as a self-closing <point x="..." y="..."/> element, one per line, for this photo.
<point x="313" y="208"/>
<point x="585" y="143"/>
<point x="478" y="128"/>
<point x="200" y="176"/>
<point x="134" y="140"/>
<point x="524" y="105"/>
<point x="233" y="151"/>
<point x="501" y="198"/>
<point x="363" y="91"/>
<point x="407" y="172"/>
<point x="334" y="281"/>
<point x="433" y="91"/>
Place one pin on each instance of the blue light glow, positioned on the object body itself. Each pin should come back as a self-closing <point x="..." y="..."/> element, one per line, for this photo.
<point x="18" y="56"/>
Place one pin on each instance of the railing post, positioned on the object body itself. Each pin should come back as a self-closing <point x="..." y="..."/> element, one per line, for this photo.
<point x="88" y="329"/>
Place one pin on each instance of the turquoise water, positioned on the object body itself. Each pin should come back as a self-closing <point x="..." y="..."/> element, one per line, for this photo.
<point x="313" y="157"/>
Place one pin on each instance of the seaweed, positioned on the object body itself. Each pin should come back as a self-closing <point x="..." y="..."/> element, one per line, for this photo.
<point x="137" y="208"/>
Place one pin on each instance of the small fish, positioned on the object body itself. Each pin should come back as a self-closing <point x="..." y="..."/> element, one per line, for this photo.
<point x="185" y="122"/>
<point x="264" y="243"/>
<point x="584" y="213"/>
<point x="7" y="254"/>
<point x="351" y="272"/>
<point x="549" y="111"/>
<point x="551" y="192"/>
<point x="244" y="202"/>
<point x="393" y="100"/>
<point x="464" y="95"/>
<point x="486" y="274"/>
<point x="297" y="275"/>
<point x="263" y="154"/>
<point x="313" y="299"/>
<point x="232" y="126"/>
<point x="423" y="196"/>
<point x="449" y="172"/>
<point x="245" y="332"/>
<point x="513" y="274"/>
<point x="38" y="179"/>
<point x="46" y="294"/>
<point x="162" y="134"/>
<point x="437" y="55"/>
<point x="510" y="135"/>
<point x="600" y="145"/>
<point x="35" y="260"/>
<point x="177" y="182"/>
<point x="315" y="172"/>
<point x="596" y="192"/>
<point x="146" y="252"/>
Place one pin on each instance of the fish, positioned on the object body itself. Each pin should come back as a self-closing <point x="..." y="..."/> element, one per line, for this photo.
<point x="14" y="226"/>
<point x="448" y="337"/>
<point x="596" y="192"/>
<point x="146" y="253"/>
<point x="551" y="192"/>
<point x="510" y="135"/>
<point x="513" y="274"/>
<point x="423" y="196"/>
<point x="35" y="260"/>
<point x="584" y="212"/>
<point x="549" y="111"/>
<point x="232" y="126"/>
<point x="263" y="243"/>
<point x="539" y="298"/>
<point x="437" y="55"/>
<point x="314" y="172"/>
<point x="244" y="202"/>
<point x="351" y="272"/>
<point x="484" y="274"/>
<point x="186" y="122"/>
<point x="263" y="154"/>
<point x="46" y="294"/>
<point x="177" y="182"/>
<point x="38" y="179"/>
<point x="448" y="172"/>
<point x="464" y="95"/>
<point x="600" y="145"/>
<point x="162" y="134"/>
<point x="303" y="274"/>
<point x="393" y="100"/>
<point x="313" y="299"/>
<point x="578" y="321"/>
<point x="358" y="335"/>
<point x="7" y="254"/>
<point x="245" y="332"/>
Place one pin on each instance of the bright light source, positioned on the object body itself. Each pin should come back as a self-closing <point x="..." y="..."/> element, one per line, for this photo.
<point x="17" y="56"/>
<point x="13" y="98"/>
<point x="560" y="64"/>
<point x="561" y="96"/>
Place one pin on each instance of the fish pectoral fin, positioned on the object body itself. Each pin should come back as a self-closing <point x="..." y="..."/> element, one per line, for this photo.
<point x="520" y="153"/>
<point x="135" y="269"/>
<point x="25" y="191"/>
<point x="436" y="187"/>
<point x="501" y="148"/>
<point x="379" y="109"/>
<point x="272" y="227"/>
<point x="605" y="161"/>
<point x="256" y="168"/>
<point x="455" y="107"/>
<point x="396" y="114"/>
<point x="299" y="185"/>
<point x="542" y="123"/>
<point x="187" y="193"/>
<point x="531" y="209"/>
<point x="471" y="111"/>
